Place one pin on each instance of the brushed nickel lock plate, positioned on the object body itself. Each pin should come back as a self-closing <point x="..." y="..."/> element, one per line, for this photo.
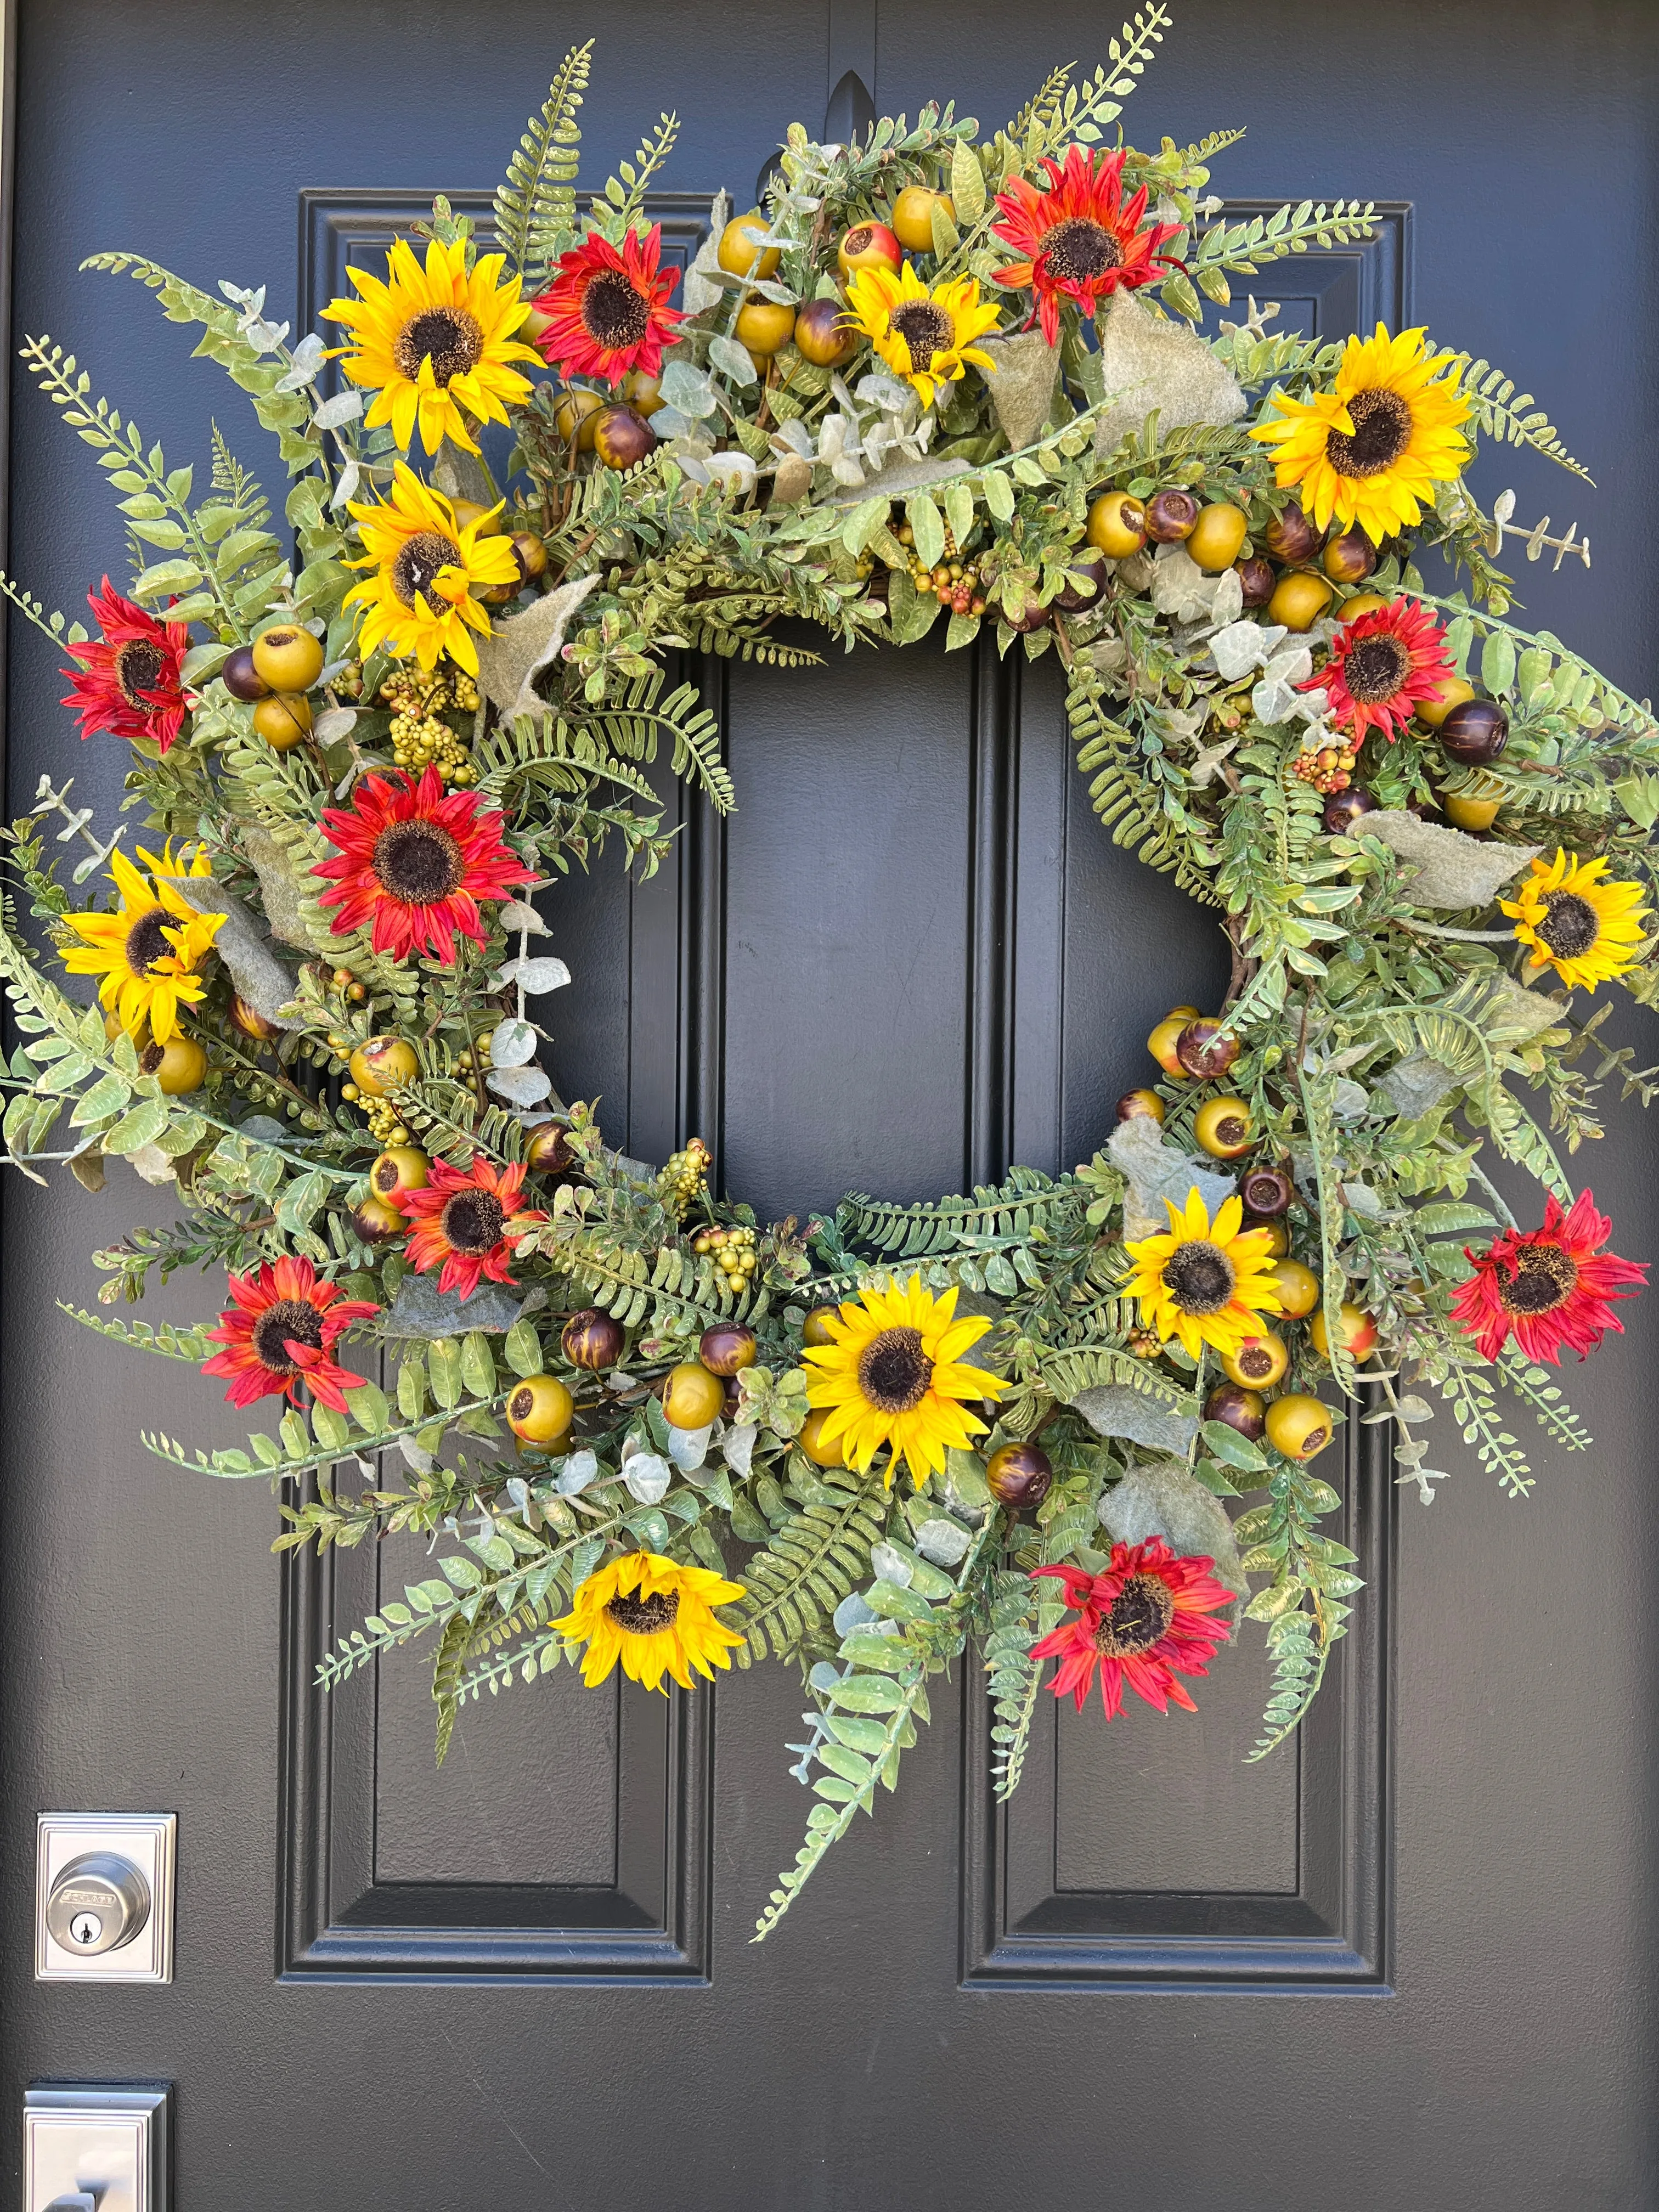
<point x="89" y="2145"/>
<point x="103" y="1897"/>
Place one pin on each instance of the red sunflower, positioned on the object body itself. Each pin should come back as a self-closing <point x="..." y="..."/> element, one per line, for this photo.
<point x="466" y="1221"/>
<point x="413" y="863"/>
<point x="1080" y="236"/>
<point x="1141" y="1621"/>
<point x="1381" y="667"/>
<point x="279" y="1333"/>
<point x="608" y="311"/>
<point x="128" y="682"/>
<point x="1547" y="1287"/>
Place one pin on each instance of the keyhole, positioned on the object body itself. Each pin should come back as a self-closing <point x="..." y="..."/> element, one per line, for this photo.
<point x="86" y="1927"/>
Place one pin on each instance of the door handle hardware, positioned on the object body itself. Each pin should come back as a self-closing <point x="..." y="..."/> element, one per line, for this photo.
<point x="92" y="2147"/>
<point x="103" y="1897"/>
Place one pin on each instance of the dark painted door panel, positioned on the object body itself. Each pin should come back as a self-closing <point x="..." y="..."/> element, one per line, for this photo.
<point x="1409" y="1963"/>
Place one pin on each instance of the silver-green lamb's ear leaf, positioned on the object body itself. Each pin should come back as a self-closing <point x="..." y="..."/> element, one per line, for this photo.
<point x="1443" y="868"/>
<point x="1150" y="364"/>
<point x="1167" y="1499"/>
<point x="514" y="654"/>
<point x="1021" y="384"/>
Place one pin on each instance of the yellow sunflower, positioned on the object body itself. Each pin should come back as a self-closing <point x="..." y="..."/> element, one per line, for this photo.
<point x="891" y="1375"/>
<point x="1206" y="1281"/>
<point x="147" y="951"/>
<point x="1587" y="930"/>
<point x="655" y="1616"/>
<point x="1369" y="451"/>
<point x="924" y="337"/>
<point x="435" y="343"/>
<point x="429" y="565"/>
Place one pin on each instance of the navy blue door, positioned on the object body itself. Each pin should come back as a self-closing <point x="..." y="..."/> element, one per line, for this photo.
<point x="1406" y="1963"/>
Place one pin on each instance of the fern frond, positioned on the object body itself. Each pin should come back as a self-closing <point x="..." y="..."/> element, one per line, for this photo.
<point x="535" y="205"/>
<point x="194" y="1345"/>
<point x="1502" y="412"/>
<point x="818" y="1558"/>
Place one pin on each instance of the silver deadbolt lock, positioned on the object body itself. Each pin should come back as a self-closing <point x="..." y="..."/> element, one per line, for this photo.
<point x="98" y="1902"/>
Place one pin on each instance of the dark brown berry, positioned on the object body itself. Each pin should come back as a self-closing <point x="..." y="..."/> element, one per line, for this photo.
<point x="1204" y="1052"/>
<point x="1243" y="1410"/>
<point x="1070" y="599"/>
<point x="1171" y="516"/>
<point x="1258" y="578"/>
<point x="241" y="678"/>
<point x="726" y="1348"/>
<point x="1290" y="537"/>
<point x="1349" y="558"/>
<point x="592" y="1339"/>
<point x="1344" y="808"/>
<point x="1475" y="733"/>
<point x="377" y="1223"/>
<point x="548" y="1153"/>
<point x="1267" y="1191"/>
<point x="1034" y="618"/>
<point x="1019" y="1475"/>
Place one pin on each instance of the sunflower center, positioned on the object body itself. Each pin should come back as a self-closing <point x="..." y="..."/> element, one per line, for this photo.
<point x="1375" y="667"/>
<point x="925" y="328"/>
<point x="295" y="1321"/>
<point x="1382" y="432"/>
<point x="1571" y="926"/>
<point x="139" y="668"/>
<point x="449" y="337"/>
<point x="1541" y="1277"/>
<point x="419" y="561"/>
<point x="1199" y="1278"/>
<point x="613" y="314"/>
<point x="473" y="1221"/>
<point x="647" y="1615"/>
<point x="1077" y="250"/>
<point x="893" y="1371"/>
<point x="418" y="862"/>
<point x="1140" y="1616"/>
<point x="146" y="946"/>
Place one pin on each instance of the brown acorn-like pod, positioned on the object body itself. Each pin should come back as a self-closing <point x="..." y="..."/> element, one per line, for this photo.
<point x="1204" y="1052"/>
<point x="1020" y="1476"/>
<point x="1171" y="516"/>
<point x="726" y="1348"/>
<point x="592" y="1339"/>
<point x="1257" y="578"/>
<point x="1267" y="1191"/>
<point x="1475" y="733"/>
<point x="1140" y="1105"/>
<point x="1344" y="808"/>
<point x="1290" y="537"/>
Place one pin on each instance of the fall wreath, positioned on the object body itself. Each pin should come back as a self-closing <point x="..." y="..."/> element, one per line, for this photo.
<point x="935" y="380"/>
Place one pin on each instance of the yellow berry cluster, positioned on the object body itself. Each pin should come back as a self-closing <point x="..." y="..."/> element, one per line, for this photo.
<point x="955" y="583"/>
<point x="685" y="1177"/>
<point x="733" y="1250"/>
<point x="1329" y="770"/>
<point x="380" y="1113"/>
<point x="419" y="739"/>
